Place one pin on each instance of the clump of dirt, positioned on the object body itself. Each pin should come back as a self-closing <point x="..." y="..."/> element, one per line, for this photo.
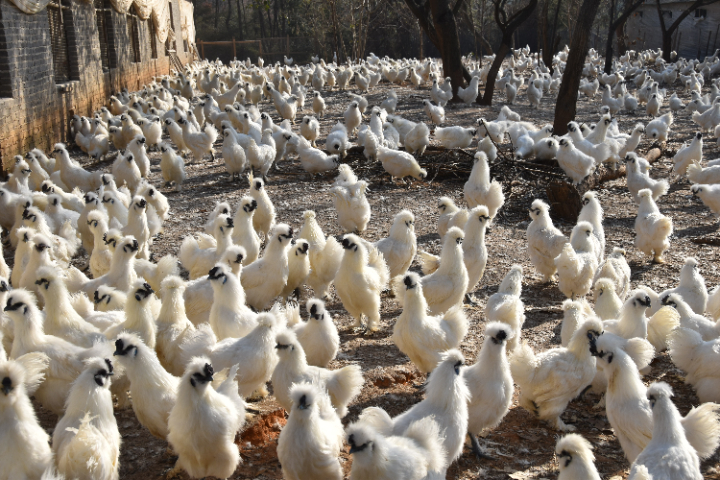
<point x="266" y="428"/>
<point x="388" y="377"/>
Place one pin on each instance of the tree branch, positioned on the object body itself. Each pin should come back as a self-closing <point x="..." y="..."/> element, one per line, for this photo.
<point x="457" y="7"/>
<point x="690" y="9"/>
<point x="660" y="14"/>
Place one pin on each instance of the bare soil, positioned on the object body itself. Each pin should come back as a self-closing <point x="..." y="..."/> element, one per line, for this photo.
<point x="522" y="445"/>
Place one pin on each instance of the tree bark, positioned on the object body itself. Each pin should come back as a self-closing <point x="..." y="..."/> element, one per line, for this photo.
<point x="486" y="98"/>
<point x="614" y="25"/>
<point x="566" y="106"/>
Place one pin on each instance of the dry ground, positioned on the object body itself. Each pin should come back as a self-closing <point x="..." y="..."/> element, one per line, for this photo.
<point x="522" y="445"/>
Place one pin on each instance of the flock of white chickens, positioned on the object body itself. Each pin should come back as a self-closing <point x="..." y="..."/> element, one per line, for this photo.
<point x="186" y="355"/>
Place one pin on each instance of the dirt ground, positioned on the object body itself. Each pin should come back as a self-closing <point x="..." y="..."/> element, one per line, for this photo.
<point x="522" y="445"/>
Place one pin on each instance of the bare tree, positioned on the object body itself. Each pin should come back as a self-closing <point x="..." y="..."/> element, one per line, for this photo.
<point x="438" y="20"/>
<point x="550" y="42"/>
<point x="566" y="105"/>
<point x="667" y="32"/>
<point x="614" y="23"/>
<point x="507" y="23"/>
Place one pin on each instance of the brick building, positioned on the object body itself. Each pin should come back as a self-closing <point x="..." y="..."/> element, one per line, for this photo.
<point x="59" y="58"/>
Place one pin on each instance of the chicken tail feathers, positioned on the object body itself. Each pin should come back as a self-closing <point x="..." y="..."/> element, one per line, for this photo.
<point x="345" y="385"/>
<point x="660" y="325"/>
<point x="426" y="433"/>
<point x="702" y="429"/>
<point x="429" y="263"/>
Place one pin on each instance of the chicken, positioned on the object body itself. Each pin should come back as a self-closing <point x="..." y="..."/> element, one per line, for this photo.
<point x="139" y="318"/>
<point x="469" y="94"/>
<point x="353" y="208"/>
<point x="615" y="268"/>
<point x="577" y="262"/>
<point x="545" y="242"/>
<point x="689" y="319"/>
<point x="632" y="321"/>
<point x="700" y="360"/>
<point x="697" y="174"/>
<point x="153" y="389"/>
<point x="607" y="302"/>
<point x="400" y="164"/>
<point x="264" y="218"/>
<point x="318" y="336"/>
<point x="244" y="233"/>
<point x="261" y="156"/>
<point x="510" y="93"/>
<point x="325" y="255"/>
<point x="653" y="105"/>
<point x="199" y="143"/>
<point x="390" y="103"/>
<point x="424" y="338"/>
<point x="592" y="212"/>
<point x="455" y="137"/>
<point x="708" y="119"/>
<point x="198" y="261"/>
<point x="310" y="443"/>
<point x="138" y="227"/>
<point x="318" y="104"/>
<point x="490" y="383"/>
<point x="353" y="118"/>
<point x="172" y="167"/>
<point x="229" y="316"/>
<point x="659" y="128"/>
<point x="709" y="195"/>
<point x="400" y="246"/>
<point x="687" y="154"/>
<point x="298" y="268"/>
<point x="417" y="139"/>
<point x="310" y="129"/>
<point x="86" y="440"/>
<point x="652" y="228"/>
<point x="668" y="455"/>
<point x="26" y="450"/>
<point x="264" y="279"/>
<point x="576" y="164"/>
<point x="481" y="190"/>
<point x="361" y="277"/>
<point x="450" y="215"/>
<point x="342" y="385"/>
<point x="71" y="174"/>
<point x="203" y="422"/>
<point x="575" y="458"/>
<point x="691" y="288"/>
<point x="550" y="380"/>
<point x="314" y="160"/>
<point x="137" y="148"/>
<point x="446" y="400"/>
<point x="435" y="112"/>
<point x="337" y="140"/>
<point x="535" y="93"/>
<point x="638" y="178"/>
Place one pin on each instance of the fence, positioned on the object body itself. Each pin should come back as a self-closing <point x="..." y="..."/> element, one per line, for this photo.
<point x="273" y="49"/>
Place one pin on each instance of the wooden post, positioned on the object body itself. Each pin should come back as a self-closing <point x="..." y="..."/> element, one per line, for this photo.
<point x="202" y="49"/>
<point x="234" y="50"/>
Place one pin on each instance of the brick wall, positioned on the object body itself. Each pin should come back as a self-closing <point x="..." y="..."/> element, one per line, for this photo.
<point x="34" y="111"/>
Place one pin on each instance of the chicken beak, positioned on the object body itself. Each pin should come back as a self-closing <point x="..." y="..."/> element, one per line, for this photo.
<point x="6" y="389"/>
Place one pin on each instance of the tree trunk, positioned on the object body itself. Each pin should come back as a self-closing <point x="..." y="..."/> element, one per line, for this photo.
<point x="240" y="11"/>
<point x="620" y="35"/>
<point x="543" y="33"/>
<point x="566" y="105"/>
<point x="486" y="98"/>
<point x="449" y="45"/>
<point x="229" y="15"/>
<point x="610" y="35"/>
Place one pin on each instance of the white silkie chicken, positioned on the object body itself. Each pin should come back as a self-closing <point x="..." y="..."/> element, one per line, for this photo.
<point x="417" y="139"/>
<point x="607" y="302"/>
<point x="700" y="360"/>
<point x="575" y="458"/>
<point x="312" y="159"/>
<point x="416" y="455"/>
<point x="421" y="337"/>
<point x="310" y="443"/>
<point x="506" y="306"/>
<point x="400" y="164"/>
<point x="204" y="421"/>
<point x="490" y="383"/>
<point x="337" y="140"/>
<point x="138" y="227"/>
<point x="691" y="288"/>
<point x="577" y="262"/>
<point x="153" y="389"/>
<point x="244" y="234"/>
<point x="261" y="155"/>
<point x="353" y="208"/>
<point x="446" y="400"/>
<point x="318" y="335"/>
<point x="615" y="267"/>
<point x="709" y="195"/>
<point x="26" y="453"/>
<point x="264" y="218"/>
<point x="436" y="113"/>
<point x="264" y="279"/>
<point x="668" y="455"/>
<point x="697" y="174"/>
<point x="638" y="178"/>
<point x="229" y="316"/>
<point x="342" y="385"/>
<point x="659" y="128"/>
<point x="470" y="93"/>
<point x="197" y="260"/>
<point x="361" y="277"/>
<point x="325" y="255"/>
<point x="86" y="440"/>
<point x="298" y="268"/>
<point x="400" y="246"/>
<point x="550" y="380"/>
<point x="199" y="143"/>
<point x="455" y="137"/>
<point x="687" y="154"/>
<point x="545" y="242"/>
<point x="689" y="319"/>
<point x="450" y="215"/>
<point x="233" y="155"/>
<point x="652" y="228"/>
<point x="574" y="163"/>
<point x="480" y="189"/>
<point x="310" y="129"/>
<point x="535" y="93"/>
<point x="353" y="117"/>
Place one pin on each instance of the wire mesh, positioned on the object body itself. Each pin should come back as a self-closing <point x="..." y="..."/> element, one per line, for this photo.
<point x="101" y="18"/>
<point x="134" y="35"/>
<point x="58" y="17"/>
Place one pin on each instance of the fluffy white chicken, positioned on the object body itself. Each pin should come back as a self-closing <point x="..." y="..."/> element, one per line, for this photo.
<point x="576" y="164"/>
<point x="318" y="336"/>
<point x="709" y="195"/>
<point x="480" y="189"/>
<point x="436" y="113"/>
<point x="577" y="262"/>
<point x="699" y="359"/>
<point x="575" y="458"/>
<point x="545" y="242"/>
<point x="400" y="247"/>
<point x="310" y="443"/>
<point x="592" y="212"/>
<point x="361" y="277"/>
<point x="652" y="228"/>
<point x="197" y="260"/>
<point x="687" y="154"/>
<point x="638" y="178"/>
<point x="264" y="279"/>
<point x="550" y="380"/>
<point x="455" y="137"/>
<point x="342" y="385"/>
<point x="615" y="267"/>
<point x="229" y="316"/>
<point x="607" y="302"/>
<point x="203" y="422"/>
<point x="400" y="164"/>
<point x="506" y="306"/>
<point x="325" y="255"/>
<point x="352" y="206"/>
